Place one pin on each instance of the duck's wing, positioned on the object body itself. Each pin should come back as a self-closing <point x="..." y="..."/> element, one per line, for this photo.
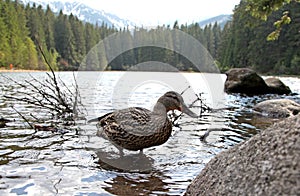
<point x="134" y="120"/>
<point x="129" y="116"/>
<point x="136" y="115"/>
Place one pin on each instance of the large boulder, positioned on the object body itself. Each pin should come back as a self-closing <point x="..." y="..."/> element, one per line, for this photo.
<point x="246" y="81"/>
<point x="278" y="108"/>
<point x="276" y="86"/>
<point x="266" y="164"/>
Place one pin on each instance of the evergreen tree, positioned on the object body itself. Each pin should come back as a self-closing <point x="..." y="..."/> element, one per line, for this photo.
<point x="4" y="46"/>
<point x="216" y="30"/>
<point x="19" y="46"/>
<point x="90" y="37"/>
<point x="30" y="59"/>
<point x="77" y="28"/>
<point x="64" y="41"/>
<point x="245" y="42"/>
<point x="49" y="28"/>
<point x="225" y="57"/>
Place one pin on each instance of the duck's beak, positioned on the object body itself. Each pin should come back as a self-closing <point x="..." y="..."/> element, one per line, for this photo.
<point x="189" y="112"/>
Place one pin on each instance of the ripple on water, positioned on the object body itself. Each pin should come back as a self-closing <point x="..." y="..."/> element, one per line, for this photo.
<point x="80" y="163"/>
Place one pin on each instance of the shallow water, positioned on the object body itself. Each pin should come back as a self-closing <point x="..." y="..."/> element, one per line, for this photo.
<point x="80" y="163"/>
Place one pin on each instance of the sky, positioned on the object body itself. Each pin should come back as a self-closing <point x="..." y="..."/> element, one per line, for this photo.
<point x="153" y="12"/>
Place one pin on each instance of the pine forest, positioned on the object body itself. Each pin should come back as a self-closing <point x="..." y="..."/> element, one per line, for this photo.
<point x="29" y="34"/>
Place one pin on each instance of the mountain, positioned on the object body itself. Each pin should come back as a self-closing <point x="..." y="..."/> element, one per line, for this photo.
<point x="83" y="12"/>
<point x="94" y="16"/>
<point x="221" y="20"/>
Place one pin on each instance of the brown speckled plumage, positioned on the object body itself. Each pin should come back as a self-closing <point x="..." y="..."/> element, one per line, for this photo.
<point x="137" y="128"/>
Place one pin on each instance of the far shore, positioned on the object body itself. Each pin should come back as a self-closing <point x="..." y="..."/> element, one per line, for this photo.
<point x="20" y="70"/>
<point x="28" y="70"/>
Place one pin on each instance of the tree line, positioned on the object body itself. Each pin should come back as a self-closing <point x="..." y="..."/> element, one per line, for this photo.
<point x="245" y="40"/>
<point x="65" y="41"/>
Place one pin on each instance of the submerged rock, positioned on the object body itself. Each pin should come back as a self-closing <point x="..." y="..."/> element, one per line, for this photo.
<point x="246" y="81"/>
<point x="266" y="164"/>
<point x="276" y="86"/>
<point x="278" y="108"/>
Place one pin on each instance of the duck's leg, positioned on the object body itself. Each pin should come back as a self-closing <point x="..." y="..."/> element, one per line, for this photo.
<point x="141" y="152"/>
<point x="121" y="152"/>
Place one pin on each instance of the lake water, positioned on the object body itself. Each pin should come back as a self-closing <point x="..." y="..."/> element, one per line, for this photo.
<point x="77" y="162"/>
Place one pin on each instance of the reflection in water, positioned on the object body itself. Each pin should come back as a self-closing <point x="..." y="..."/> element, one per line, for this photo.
<point x="129" y="163"/>
<point x="22" y="190"/>
<point x="137" y="184"/>
<point x="81" y="163"/>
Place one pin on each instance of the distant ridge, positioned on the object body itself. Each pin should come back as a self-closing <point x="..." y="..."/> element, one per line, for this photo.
<point x="83" y="12"/>
<point x="221" y="20"/>
<point x="95" y="16"/>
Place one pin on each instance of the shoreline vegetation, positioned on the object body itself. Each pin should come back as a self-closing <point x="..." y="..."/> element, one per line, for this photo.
<point x="2" y="70"/>
<point x="19" y="70"/>
<point x="28" y="70"/>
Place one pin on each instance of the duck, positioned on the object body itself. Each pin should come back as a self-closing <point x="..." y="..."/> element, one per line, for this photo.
<point x="137" y="128"/>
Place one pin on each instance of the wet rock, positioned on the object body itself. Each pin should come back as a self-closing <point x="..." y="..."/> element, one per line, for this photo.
<point x="266" y="164"/>
<point x="278" y="108"/>
<point x="246" y="81"/>
<point x="276" y="86"/>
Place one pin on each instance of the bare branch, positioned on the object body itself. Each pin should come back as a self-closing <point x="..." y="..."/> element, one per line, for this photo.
<point x="23" y="117"/>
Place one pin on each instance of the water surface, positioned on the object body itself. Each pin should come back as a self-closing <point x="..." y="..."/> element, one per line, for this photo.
<point x="80" y="163"/>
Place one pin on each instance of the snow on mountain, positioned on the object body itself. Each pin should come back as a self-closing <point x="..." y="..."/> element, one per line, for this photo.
<point x="94" y="16"/>
<point x="221" y="20"/>
<point x="83" y="12"/>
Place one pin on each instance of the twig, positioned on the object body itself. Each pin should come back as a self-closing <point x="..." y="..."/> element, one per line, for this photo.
<point x="76" y="96"/>
<point x="36" y="103"/>
<point x="34" y="117"/>
<point x="22" y="117"/>
<point x="59" y="96"/>
<point x="203" y="107"/>
<point x="14" y="81"/>
<point x="51" y="95"/>
<point x="185" y="90"/>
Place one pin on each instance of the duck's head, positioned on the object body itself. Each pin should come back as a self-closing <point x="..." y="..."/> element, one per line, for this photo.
<point x="174" y="101"/>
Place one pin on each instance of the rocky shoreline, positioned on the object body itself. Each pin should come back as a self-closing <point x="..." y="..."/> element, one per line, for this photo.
<point x="269" y="162"/>
<point x="247" y="81"/>
<point x="266" y="164"/>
